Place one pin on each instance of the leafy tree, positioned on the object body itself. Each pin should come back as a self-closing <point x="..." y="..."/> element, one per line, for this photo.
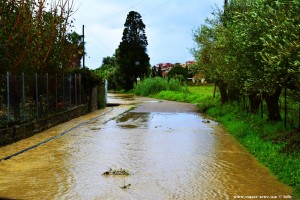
<point x="281" y="45"/>
<point x="76" y="49"/>
<point x="109" y="70"/>
<point x="267" y="38"/>
<point x="178" y="72"/>
<point x="210" y="56"/>
<point x="33" y="38"/>
<point x="252" y="47"/>
<point x="131" y="55"/>
<point x="34" y="34"/>
<point x="245" y="59"/>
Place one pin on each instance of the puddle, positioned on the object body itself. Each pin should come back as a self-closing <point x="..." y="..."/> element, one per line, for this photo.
<point x="153" y="101"/>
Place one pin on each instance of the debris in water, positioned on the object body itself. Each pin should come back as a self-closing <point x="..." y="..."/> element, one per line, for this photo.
<point x="126" y="186"/>
<point x="95" y="128"/>
<point x="119" y="172"/>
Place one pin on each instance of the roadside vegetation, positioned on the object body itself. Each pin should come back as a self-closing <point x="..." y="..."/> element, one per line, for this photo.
<point x="275" y="146"/>
<point x="151" y="86"/>
<point x="39" y="46"/>
<point x="38" y="37"/>
<point x="250" y="51"/>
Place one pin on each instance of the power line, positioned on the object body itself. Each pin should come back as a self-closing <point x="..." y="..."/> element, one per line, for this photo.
<point x="123" y="11"/>
<point x="155" y="8"/>
<point x="96" y="38"/>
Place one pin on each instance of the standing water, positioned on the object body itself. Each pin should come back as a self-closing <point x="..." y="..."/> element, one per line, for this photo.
<point x="169" y="152"/>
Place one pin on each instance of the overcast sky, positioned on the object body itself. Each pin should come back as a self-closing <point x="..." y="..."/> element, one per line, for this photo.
<point x="169" y="26"/>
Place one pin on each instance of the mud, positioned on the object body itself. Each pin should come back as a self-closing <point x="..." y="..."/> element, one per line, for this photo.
<point x="169" y="149"/>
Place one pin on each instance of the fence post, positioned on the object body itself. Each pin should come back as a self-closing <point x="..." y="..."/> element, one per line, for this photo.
<point x="8" y="99"/>
<point x="70" y="89"/>
<point x="37" y="95"/>
<point x="23" y="88"/>
<point x="75" y="89"/>
<point x="56" y="92"/>
<point x="106" y="90"/>
<point x="23" y="95"/>
<point x="63" y="97"/>
<point x="47" y="78"/>
<point x="80" y="89"/>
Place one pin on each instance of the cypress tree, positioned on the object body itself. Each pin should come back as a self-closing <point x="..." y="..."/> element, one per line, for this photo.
<point x="132" y="53"/>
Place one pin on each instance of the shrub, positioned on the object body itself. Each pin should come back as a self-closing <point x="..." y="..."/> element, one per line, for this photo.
<point x="151" y="86"/>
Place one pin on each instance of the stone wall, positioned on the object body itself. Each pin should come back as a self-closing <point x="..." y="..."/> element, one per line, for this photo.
<point x="19" y="132"/>
<point x="94" y="102"/>
<point x="22" y="131"/>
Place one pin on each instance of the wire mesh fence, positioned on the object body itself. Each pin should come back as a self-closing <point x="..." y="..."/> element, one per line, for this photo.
<point x="289" y="109"/>
<point x="27" y="97"/>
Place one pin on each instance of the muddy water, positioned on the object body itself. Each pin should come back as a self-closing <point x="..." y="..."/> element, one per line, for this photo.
<point x="170" y="155"/>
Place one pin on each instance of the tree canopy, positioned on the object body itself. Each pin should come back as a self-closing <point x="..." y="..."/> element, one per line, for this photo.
<point x="34" y="36"/>
<point x="131" y="55"/>
<point x="178" y="72"/>
<point x="109" y="70"/>
<point x="252" y="49"/>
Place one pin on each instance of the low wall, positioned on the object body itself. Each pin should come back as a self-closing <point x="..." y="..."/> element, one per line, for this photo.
<point x="94" y="100"/>
<point x="22" y="131"/>
<point x="19" y="132"/>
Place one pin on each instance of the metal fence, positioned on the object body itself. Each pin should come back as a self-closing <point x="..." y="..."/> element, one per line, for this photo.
<point x="289" y="109"/>
<point x="27" y="97"/>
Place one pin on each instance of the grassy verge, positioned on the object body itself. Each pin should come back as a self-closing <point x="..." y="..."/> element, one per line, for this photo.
<point x="269" y="142"/>
<point x="152" y="86"/>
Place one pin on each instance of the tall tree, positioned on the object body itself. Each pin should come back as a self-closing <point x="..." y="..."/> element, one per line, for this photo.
<point x="132" y="54"/>
<point x="33" y="35"/>
<point x="254" y="47"/>
<point x="76" y="47"/>
<point x="178" y="72"/>
<point x="32" y="39"/>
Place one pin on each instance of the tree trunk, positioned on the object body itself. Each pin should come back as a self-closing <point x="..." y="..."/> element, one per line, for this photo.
<point x="215" y="89"/>
<point x="255" y="101"/>
<point x="223" y="91"/>
<point x="272" y="101"/>
<point x="233" y="94"/>
<point x="299" y="118"/>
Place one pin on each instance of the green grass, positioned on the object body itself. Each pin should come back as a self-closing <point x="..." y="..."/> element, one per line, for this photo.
<point x="193" y="95"/>
<point x="272" y="145"/>
<point x="152" y="86"/>
<point x="266" y="140"/>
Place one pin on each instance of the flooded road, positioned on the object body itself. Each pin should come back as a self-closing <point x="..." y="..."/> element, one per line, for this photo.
<point x="169" y="150"/>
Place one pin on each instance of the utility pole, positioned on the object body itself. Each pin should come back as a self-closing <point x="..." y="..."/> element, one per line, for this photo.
<point x="83" y="57"/>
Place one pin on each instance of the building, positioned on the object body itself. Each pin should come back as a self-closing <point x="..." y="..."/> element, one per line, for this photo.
<point x="166" y="67"/>
<point x="187" y="64"/>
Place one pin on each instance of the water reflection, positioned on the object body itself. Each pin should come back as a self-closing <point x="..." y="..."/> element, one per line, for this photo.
<point x="169" y="156"/>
